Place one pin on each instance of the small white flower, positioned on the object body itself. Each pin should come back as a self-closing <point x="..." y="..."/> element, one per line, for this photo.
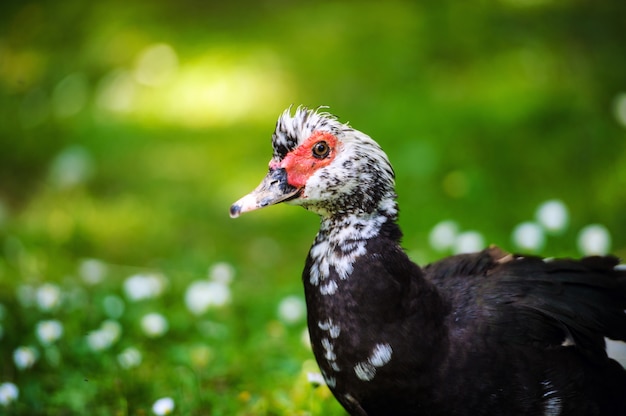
<point x="98" y="340"/>
<point x="316" y="379"/>
<point x="163" y="406"/>
<point x="529" y="236"/>
<point x="48" y="297"/>
<point x="154" y="325"/>
<point x="553" y="216"/>
<point x="112" y="328"/>
<point x="92" y="271"/>
<point x="202" y="295"/>
<point x="222" y="272"/>
<point x="594" y="239"/>
<point x="468" y="242"/>
<point x="144" y="286"/>
<point x="291" y="309"/>
<point x="443" y="235"/>
<point x="8" y="393"/>
<point x="48" y="332"/>
<point x="104" y="337"/>
<point x="129" y="358"/>
<point x="25" y="357"/>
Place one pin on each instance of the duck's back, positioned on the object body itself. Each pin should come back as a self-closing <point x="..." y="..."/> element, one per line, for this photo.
<point x="531" y="331"/>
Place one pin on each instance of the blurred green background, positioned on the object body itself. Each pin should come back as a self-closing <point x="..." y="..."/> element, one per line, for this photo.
<point x="128" y="128"/>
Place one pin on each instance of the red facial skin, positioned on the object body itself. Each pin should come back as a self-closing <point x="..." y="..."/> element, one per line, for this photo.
<point x="300" y="163"/>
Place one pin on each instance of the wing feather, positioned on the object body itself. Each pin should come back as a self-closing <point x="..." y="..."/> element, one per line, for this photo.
<point x="531" y="301"/>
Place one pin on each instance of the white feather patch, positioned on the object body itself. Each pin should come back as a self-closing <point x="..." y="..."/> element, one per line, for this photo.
<point x="339" y="246"/>
<point x="328" y="325"/>
<point x="552" y="403"/>
<point x="381" y="355"/>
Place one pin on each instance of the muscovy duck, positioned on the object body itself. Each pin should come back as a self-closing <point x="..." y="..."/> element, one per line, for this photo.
<point x="489" y="333"/>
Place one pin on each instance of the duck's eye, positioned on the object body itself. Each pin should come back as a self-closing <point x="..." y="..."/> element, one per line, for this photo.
<point x="321" y="150"/>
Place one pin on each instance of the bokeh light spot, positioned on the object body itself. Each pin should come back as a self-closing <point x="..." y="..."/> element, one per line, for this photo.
<point x="594" y="239"/>
<point x="469" y="242"/>
<point x="116" y="92"/>
<point x="529" y="236"/>
<point x="443" y="235"/>
<point x="619" y="108"/>
<point x="156" y="65"/>
<point x="70" y="95"/>
<point x="553" y="216"/>
<point x="72" y="167"/>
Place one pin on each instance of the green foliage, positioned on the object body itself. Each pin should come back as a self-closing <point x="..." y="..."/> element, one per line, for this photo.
<point x="127" y="129"/>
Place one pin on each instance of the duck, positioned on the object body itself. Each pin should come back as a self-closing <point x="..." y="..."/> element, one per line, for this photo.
<point x="484" y="333"/>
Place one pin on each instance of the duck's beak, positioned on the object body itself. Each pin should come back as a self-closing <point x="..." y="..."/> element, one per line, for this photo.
<point x="273" y="189"/>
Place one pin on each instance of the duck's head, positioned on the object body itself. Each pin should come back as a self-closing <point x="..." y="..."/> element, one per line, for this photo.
<point x="325" y="166"/>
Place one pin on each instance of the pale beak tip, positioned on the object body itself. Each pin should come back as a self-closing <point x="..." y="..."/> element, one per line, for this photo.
<point x="245" y="204"/>
<point x="273" y="189"/>
<point x="235" y="210"/>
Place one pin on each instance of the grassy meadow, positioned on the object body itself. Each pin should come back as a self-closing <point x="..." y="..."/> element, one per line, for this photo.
<point x="128" y="128"/>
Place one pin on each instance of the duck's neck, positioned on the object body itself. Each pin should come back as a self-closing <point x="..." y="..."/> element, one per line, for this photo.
<point x="357" y="284"/>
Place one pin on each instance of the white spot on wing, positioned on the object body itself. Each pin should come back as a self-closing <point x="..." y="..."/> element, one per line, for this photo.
<point x="365" y="371"/>
<point x="330" y="381"/>
<point x="552" y="402"/>
<point x="329" y="353"/>
<point x="329" y="289"/>
<point x="381" y="355"/>
<point x="333" y="329"/>
<point x="330" y="350"/>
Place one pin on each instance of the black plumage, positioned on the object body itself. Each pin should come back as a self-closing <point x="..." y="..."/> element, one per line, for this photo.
<point x="488" y="333"/>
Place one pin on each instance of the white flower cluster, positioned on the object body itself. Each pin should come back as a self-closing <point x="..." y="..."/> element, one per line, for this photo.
<point x="8" y="393"/>
<point x="25" y="357"/>
<point x="154" y="325"/>
<point x="92" y="271"/>
<point x="46" y="297"/>
<point x="105" y="336"/>
<point x="48" y="332"/>
<point x="214" y="292"/>
<point x="144" y="286"/>
<point x="551" y="218"/>
<point x="446" y="236"/>
<point x="129" y="358"/>
<point x="163" y="406"/>
<point x="292" y="310"/>
<point x="49" y="299"/>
